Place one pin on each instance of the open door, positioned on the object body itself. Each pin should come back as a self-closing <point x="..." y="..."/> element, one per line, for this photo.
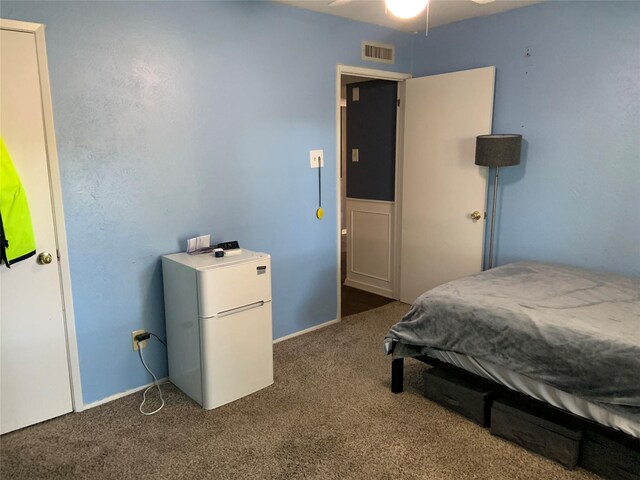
<point x="441" y="185"/>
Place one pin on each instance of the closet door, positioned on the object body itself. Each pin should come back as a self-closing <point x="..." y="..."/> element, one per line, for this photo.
<point x="371" y="197"/>
<point x="34" y="370"/>
<point x="441" y="185"/>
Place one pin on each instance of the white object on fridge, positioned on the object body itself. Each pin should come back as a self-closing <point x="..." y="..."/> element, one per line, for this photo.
<point x="218" y="320"/>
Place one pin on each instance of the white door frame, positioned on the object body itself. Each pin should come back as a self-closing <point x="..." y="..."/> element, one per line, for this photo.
<point x="383" y="75"/>
<point x="37" y="30"/>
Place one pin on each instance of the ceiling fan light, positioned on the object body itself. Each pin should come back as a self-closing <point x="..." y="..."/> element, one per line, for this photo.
<point x="405" y="8"/>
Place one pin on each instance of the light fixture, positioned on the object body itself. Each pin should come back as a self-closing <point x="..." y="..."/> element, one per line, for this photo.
<point x="405" y="8"/>
<point x="497" y="151"/>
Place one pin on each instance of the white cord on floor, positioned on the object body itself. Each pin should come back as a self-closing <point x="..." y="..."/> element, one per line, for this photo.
<point x="155" y="384"/>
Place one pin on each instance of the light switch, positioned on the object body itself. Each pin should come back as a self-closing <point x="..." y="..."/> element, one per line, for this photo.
<point x="316" y="158"/>
<point x="355" y="94"/>
<point x="355" y="155"/>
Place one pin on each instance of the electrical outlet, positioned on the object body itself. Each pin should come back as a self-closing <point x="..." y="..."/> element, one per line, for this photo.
<point x="143" y="344"/>
<point x="316" y="158"/>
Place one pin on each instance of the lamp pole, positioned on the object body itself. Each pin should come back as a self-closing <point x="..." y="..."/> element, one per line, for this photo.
<point x="501" y="150"/>
<point x="493" y="215"/>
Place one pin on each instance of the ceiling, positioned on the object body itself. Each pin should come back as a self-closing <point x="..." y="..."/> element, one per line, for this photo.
<point x="441" y="12"/>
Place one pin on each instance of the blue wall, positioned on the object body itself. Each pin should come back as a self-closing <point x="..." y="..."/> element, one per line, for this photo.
<point x="179" y="119"/>
<point x="575" y="198"/>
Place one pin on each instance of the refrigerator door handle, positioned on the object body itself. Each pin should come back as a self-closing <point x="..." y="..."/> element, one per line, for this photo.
<point x="244" y="308"/>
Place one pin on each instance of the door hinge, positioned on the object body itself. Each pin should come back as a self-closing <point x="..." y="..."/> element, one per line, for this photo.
<point x="398" y="102"/>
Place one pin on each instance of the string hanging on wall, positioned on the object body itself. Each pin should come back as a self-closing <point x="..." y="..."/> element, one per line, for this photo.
<point x="319" y="211"/>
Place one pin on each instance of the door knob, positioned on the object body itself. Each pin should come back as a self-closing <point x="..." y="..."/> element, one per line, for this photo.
<point x="45" y="258"/>
<point x="476" y="215"/>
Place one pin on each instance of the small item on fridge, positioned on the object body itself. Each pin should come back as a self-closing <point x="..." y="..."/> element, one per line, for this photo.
<point x="230" y="248"/>
<point x="201" y="244"/>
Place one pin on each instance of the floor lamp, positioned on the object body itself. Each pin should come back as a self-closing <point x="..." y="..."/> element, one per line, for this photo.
<point x="497" y="151"/>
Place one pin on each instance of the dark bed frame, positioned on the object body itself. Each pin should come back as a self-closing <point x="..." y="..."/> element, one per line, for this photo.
<point x="397" y="386"/>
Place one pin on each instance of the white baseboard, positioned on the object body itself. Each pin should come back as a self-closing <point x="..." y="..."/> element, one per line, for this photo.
<point x="111" y="398"/>
<point x="306" y="330"/>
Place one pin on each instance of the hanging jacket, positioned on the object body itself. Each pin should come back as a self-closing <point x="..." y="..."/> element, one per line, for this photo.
<point x="16" y="231"/>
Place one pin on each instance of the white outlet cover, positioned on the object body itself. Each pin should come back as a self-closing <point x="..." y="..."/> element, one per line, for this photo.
<point x="143" y="344"/>
<point x="316" y="158"/>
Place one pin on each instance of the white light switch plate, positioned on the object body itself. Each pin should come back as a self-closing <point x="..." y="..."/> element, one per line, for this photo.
<point x="316" y="158"/>
<point x="355" y="155"/>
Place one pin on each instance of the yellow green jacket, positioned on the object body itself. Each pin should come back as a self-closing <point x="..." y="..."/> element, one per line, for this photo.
<point x="16" y="231"/>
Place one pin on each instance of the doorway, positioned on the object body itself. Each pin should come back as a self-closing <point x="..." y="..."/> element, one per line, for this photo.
<point x="434" y="232"/>
<point x="367" y="193"/>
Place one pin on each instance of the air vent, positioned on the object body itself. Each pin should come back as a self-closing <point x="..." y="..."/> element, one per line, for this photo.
<point x="378" y="52"/>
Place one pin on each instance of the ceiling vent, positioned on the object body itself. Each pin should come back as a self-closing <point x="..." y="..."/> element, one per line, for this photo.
<point x="378" y="52"/>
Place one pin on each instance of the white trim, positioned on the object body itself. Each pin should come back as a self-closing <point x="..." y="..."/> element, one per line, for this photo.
<point x="19" y="26"/>
<point x="307" y="330"/>
<point x="56" y="198"/>
<point x="397" y="205"/>
<point x="390" y="254"/>
<point x="166" y="379"/>
<point x="342" y="69"/>
<point x="116" y="396"/>
<point x="370" y="73"/>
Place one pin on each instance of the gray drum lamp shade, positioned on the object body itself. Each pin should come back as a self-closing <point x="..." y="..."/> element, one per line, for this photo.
<point x="498" y="150"/>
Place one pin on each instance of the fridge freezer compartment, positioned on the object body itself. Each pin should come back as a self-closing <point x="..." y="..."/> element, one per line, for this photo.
<point x="225" y="288"/>
<point x="237" y="354"/>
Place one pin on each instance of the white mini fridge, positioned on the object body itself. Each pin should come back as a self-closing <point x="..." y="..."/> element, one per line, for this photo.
<point x="219" y="334"/>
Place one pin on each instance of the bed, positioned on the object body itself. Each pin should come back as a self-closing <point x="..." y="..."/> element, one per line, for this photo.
<point x="565" y="336"/>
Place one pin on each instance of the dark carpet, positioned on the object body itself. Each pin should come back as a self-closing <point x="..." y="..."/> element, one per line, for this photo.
<point x="329" y="415"/>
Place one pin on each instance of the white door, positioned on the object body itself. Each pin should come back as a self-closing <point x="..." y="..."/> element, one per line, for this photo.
<point x="441" y="185"/>
<point x="34" y="370"/>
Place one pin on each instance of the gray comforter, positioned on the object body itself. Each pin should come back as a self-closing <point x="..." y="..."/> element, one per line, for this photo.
<point x="573" y="329"/>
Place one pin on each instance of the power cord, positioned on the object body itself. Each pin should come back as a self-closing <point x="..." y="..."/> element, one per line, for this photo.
<point x="158" y="338"/>
<point x="140" y="338"/>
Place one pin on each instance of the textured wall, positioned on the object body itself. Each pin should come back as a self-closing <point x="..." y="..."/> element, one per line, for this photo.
<point x="575" y="198"/>
<point x="179" y="119"/>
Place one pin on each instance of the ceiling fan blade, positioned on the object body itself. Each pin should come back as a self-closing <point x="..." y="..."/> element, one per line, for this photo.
<point x="482" y="2"/>
<point x="337" y="3"/>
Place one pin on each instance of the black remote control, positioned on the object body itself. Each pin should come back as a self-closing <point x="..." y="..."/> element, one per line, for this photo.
<point x="229" y="245"/>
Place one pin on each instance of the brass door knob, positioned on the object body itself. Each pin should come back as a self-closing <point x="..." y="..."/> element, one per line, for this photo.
<point x="45" y="258"/>
<point x="476" y="215"/>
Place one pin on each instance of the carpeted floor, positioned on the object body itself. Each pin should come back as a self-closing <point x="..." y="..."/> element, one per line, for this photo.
<point x="329" y="415"/>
